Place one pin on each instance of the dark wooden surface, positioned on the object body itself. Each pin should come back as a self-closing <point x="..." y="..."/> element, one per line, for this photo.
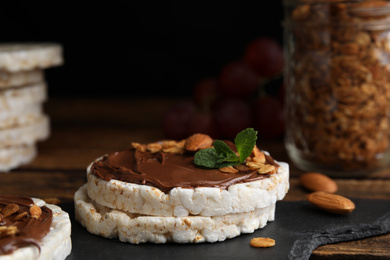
<point x="84" y="129"/>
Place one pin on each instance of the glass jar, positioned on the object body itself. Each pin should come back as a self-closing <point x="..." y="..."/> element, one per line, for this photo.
<point x="337" y="77"/>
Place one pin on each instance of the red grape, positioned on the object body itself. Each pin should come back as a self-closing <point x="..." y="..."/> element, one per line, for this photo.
<point x="203" y="122"/>
<point x="237" y="79"/>
<point x="269" y="119"/>
<point x="265" y="56"/>
<point x="205" y="92"/>
<point x="232" y="116"/>
<point x="176" y="119"/>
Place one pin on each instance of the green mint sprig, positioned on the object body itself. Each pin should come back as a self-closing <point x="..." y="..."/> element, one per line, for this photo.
<point x="222" y="156"/>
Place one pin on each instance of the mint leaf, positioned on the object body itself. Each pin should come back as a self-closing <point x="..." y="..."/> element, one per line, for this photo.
<point x="207" y="158"/>
<point x="224" y="150"/>
<point x="210" y="158"/>
<point x="222" y="155"/>
<point x="245" y="141"/>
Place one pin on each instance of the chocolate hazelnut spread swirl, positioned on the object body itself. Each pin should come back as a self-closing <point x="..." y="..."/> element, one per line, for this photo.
<point x="30" y="231"/>
<point x="166" y="171"/>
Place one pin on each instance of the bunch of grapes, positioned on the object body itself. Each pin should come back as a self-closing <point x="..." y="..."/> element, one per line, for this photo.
<point x="248" y="92"/>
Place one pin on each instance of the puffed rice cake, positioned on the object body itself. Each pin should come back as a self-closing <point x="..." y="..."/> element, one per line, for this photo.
<point x="179" y="202"/>
<point x="13" y="156"/>
<point x="29" y="56"/>
<point x="22" y="115"/>
<point x="141" y="213"/>
<point x="17" y="98"/>
<point x="20" y="78"/>
<point x="29" y="134"/>
<point x="138" y="228"/>
<point x="23" y="90"/>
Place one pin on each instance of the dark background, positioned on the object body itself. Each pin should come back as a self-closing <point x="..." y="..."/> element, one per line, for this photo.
<point x="139" y="48"/>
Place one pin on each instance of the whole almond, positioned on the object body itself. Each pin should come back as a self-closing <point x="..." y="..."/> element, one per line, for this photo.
<point x="331" y="202"/>
<point x="315" y="181"/>
<point x="198" y="141"/>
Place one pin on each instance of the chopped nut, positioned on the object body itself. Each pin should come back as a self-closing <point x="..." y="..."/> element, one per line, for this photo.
<point x="54" y="201"/>
<point x="181" y="144"/>
<point x="169" y="144"/>
<point x="261" y="167"/>
<point x="254" y="166"/>
<point x="262" y="242"/>
<point x="6" y="231"/>
<point x="266" y="169"/>
<point x="173" y="150"/>
<point x="20" y="216"/>
<point x="173" y="146"/>
<point x="10" y="209"/>
<point x="258" y="156"/>
<point x="154" y="147"/>
<point x="139" y="147"/>
<point x="35" y="211"/>
<point x="228" y="169"/>
<point x="241" y="167"/>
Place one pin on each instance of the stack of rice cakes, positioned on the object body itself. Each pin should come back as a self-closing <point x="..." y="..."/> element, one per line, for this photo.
<point x="141" y="213"/>
<point x="23" y="90"/>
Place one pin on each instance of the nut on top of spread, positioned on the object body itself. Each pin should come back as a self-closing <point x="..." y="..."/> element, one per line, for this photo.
<point x="169" y="164"/>
<point x="22" y="223"/>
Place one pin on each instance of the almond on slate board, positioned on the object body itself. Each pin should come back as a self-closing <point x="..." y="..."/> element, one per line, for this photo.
<point x="331" y="202"/>
<point x="315" y="181"/>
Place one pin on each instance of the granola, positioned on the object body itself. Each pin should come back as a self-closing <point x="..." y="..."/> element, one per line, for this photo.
<point x="338" y="82"/>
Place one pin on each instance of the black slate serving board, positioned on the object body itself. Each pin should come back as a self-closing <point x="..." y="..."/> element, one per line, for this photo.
<point x="298" y="229"/>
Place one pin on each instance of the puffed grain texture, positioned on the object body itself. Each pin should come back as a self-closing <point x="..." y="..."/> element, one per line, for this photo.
<point x="19" y="116"/>
<point x="18" y="98"/>
<point x="181" y="202"/>
<point x="15" y="156"/>
<point x="136" y="228"/>
<point x="20" y="78"/>
<point x="27" y="134"/>
<point x="29" y="56"/>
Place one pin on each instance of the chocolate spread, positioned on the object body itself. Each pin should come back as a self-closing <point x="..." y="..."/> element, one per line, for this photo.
<point x="166" y="171"/>
<point x="30" y="230"/>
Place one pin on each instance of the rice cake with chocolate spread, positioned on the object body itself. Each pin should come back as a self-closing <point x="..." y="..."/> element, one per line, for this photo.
<point x="150" y="194"/>
<point x="212" y="192"/>
<point x="37" y="230"/>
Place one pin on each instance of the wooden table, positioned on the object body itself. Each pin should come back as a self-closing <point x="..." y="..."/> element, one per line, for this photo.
<point x="84" y="129"/>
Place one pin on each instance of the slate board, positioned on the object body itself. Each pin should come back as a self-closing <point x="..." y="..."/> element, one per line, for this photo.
<point x="298" y="229"/>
